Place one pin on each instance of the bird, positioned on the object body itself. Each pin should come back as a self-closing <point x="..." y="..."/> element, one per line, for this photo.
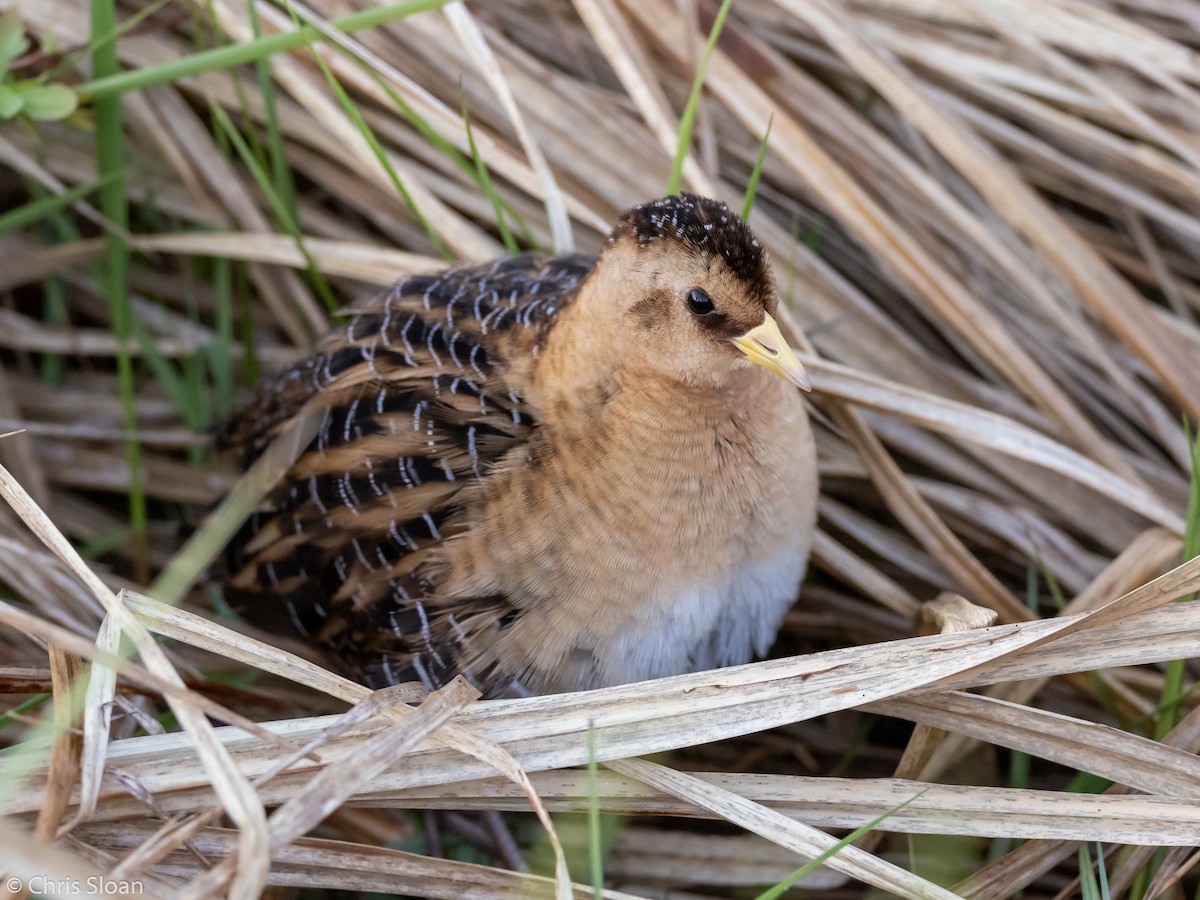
<point x="542" y="473"/>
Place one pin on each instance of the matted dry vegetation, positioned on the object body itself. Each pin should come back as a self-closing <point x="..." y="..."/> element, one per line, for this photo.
<point x="983" y="220"/>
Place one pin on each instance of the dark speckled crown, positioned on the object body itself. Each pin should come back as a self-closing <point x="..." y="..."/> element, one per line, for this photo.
<point x="703" y="226"/>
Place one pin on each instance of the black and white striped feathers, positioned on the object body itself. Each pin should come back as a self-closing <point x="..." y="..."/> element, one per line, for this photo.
<point x="414" y="412"/>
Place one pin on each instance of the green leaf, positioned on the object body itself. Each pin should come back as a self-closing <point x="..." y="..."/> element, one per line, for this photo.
<point x="485" y="182"/>
<point x="281" y="173"/>
<point x="38" y="209"/>
<point x="1089" y="888"/>
<point x="687" y="121"/>
<point x="26" y="707"/>
<point x="773" y="893"/>
<point x="756" y="173"/>
<point x="221" y="58"/>
<point x="595" y="840"/>
<point x="49" y="102"/>
<point x="282" y="215"/>
<point x="114" y="204"/>
<point x="12" y="37"/>
<point x="1176" y="673"/>
<point x="356" y="117"/>
<point x="11" y="102"/>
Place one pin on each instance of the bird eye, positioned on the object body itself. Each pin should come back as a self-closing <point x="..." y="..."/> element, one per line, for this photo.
<point x="699" y="302"/>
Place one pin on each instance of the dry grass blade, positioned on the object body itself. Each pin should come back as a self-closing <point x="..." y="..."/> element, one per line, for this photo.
<point x="46" y="261"/>
<point x="243" y="807"/>
<point x="621" y="49"/>
<point x="339" y="865"/>
<point x="1166" y="587"/>
<point x="200" y="632"/>
<point x="373" y="265"/>
<point x="66" y="672"/>
<point x="23" y="621"/>
<point x="993" y="178"/>
<point x="827" y="553"/>
<point x="471" y="35"/>
<point x="26" y="860"/>
<point x="1137" y="118"/>
<point x="1125" y="643"/>
<point x="181" y="625"/>
<point x="97" y="721"/>
<point x="637" y="719"/>
<point x="779" y="828"/>
<point x="923" y="522"/>
<point x="988" y="430"/>
<point x="332" y="785"/>
<point x="849" y="803"/>
<point x="1098" y="749"/>
<point x="174" y="833"/>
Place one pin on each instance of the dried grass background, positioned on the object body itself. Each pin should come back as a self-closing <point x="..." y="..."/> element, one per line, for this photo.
<point x="983" y="218"/>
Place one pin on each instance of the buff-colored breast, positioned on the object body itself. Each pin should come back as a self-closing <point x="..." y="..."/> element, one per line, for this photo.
<point x="660" y="535"/>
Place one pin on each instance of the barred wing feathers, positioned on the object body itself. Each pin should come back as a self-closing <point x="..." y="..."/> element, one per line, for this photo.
<point x="420" y="403"/>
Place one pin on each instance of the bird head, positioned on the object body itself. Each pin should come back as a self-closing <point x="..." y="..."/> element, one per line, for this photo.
<point x="696" y="290"/>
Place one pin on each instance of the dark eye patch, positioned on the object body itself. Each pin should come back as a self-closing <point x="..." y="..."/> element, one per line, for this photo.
<point x="699" y="303"/>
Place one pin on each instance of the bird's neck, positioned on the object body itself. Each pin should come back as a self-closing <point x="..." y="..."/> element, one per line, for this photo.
<point x="613" y="405"/>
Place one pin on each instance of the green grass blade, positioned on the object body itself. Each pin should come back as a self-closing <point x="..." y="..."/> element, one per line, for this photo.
<point x="1102" y="873"/>
<point x="22" y="708"/>
<point x="58" y="229"/>
<point x="220" y="352"/>
<point x="776" y="891"/>
<point x="467" y="164"/>
<point x="180" y="387"/>
<point x="164" y="373"/>
<point x="70" y="59"/>
<point x="112" y="84"/>
<point x="114" y="204"/>
<point x="251" y="369"/>
<point x="43" y="207"/>
<point x="1191" y="538"/>
<point x="1176" y="670"/>
<point x="687" y="121"/>
<point x="281" y="173"/>
<point x="207" y="541"/>
<point x="436" y="140"/>
<point x="485" y="182"/>
<point x="286" y="221"/>
<point x="756" y="173"/>
<point x="595" y="839"/>
<point x="1088" y="889"/>
<point x="1087" y="783"/>
<point x="103" y="543"/>
<point x="54" y="293"/>
<point x="355" y="115"/>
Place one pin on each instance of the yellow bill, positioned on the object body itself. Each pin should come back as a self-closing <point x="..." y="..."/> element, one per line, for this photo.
<point x="764" y="346"/>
